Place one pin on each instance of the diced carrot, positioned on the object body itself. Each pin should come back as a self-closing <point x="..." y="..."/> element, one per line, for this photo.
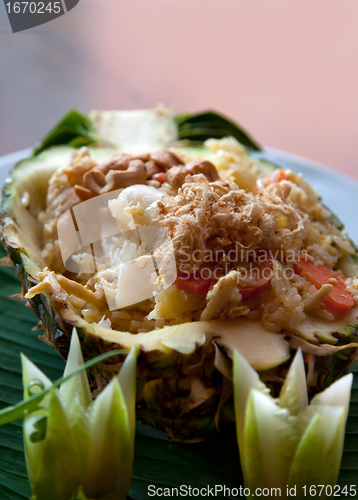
<point x="263" y="270"/>
<point x="339" y="301"/>
<point x="276" y="176"/>
<point x="160" y="177"/>
<point x="195" y="285"/>
<point x="251" y="291"/>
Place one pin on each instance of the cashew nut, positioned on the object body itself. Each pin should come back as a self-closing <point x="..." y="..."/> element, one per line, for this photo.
<point x="176" y="175"/>
<point x="136" y="173"/>
<point x="166" y="159"/>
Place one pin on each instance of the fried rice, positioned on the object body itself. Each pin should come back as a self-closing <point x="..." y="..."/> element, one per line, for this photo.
<point x="220" y="225"/>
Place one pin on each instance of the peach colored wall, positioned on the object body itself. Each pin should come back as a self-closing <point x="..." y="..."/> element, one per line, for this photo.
<point x="286" y="69"/>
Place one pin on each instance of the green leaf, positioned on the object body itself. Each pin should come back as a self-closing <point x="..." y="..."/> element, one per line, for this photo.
<point x="245" y="378"/>
<point x="127" y="381"/>
<point x="110" y="467"/>
<point x="41" y="428"/>
<point x="78" y="385"/>
<point x="252" y="459"/>
<point x="34" y="380"/>
<point x="74" y="129"/>
<point x="271" y="437"/>
<point x="32" y="403"/>
<point x="60" y="470"/>
<point x="337" y="394"/>
<point x="293" y="394"/>
<point x="336" y="221"/>
<point x="317" y="459"/>
<point x="277" y="445"/>
<point x="207" y="125"/>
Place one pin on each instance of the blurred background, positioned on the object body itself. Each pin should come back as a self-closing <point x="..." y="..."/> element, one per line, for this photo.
<point x="286" y="70"/>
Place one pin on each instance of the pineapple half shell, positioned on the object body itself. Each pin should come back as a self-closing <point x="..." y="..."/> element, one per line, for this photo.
<point x="184" y="371"/>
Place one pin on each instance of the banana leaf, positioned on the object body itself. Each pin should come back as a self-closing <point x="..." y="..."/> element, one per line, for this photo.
<point x="202" y="126"/>
<point x="74" y="129"/>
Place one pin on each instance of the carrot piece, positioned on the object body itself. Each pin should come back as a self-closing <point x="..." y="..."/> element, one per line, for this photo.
<point x="261" y="270"/>
<point x="276" y="176"/>
<point x="340" y="300"/>
<point x="195" y="285"/>
<point x="251" y="291"/>
<point x="160" y="177"/>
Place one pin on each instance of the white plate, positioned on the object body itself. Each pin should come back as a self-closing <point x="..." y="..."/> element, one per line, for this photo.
<point x="338" y="191"/>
